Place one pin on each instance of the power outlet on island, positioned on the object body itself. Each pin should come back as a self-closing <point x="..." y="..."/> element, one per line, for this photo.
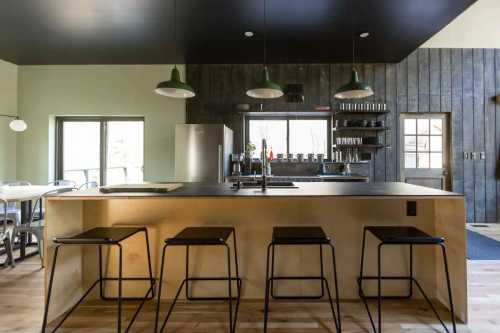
<point x="411" y="208"/>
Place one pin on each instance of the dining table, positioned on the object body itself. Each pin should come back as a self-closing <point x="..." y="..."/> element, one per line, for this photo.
<point x="25" y="195"/>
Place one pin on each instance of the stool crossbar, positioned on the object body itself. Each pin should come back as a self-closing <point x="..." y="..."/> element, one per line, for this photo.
<point x="99" y="237"/>
<point x="396" y="235"/>
<point x="202" y="236"/>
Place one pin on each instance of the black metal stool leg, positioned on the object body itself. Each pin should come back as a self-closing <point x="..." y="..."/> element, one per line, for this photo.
<point x="322" y="275"/>
<point x="101" y="289"/>
<point x="338" y="323"/>
<point x="187" y="272"/>
<point x="238" y="281"/>
<point x="229" y="283"/>
<point x="445" y="259"/>
<point x="379" y="286"/>
<point x="266" y="298"/>
<point x="272" y="270"/>
<point x="152" y="280"/>
<point x="49" y="292"/>
<point x="159" y="289"/>
<point x="120" y="276"/>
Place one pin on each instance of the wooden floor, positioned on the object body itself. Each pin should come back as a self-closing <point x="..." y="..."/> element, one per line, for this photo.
<point x="21" y="306"/>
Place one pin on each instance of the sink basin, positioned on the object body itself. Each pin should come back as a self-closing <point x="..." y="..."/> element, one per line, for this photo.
<point x="270" y="184"/>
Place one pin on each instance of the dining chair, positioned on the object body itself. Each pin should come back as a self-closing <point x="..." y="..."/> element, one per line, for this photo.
<point x="13" y="211"/>
<point x="88" y="185"/>
<point x="5" y="238"/>
<point x="36" y="226"/>
<point x="62" y="182"/>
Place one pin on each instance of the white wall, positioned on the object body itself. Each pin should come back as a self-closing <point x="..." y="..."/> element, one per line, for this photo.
<point x="477" y="27"/>
<point x="47" y="91"/>
<point x="8" y="105"/>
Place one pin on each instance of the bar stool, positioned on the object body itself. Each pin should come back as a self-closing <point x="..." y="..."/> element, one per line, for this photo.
<point x="401" y="235"/>
<point x="99" y="237"/>
<point x="298" y="236"/>
<point x="203" y="236"/>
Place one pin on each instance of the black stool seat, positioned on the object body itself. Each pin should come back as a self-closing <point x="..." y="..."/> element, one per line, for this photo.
<point x="201" y="236"/>
<point x="101" y="235"/>
<point x="403" y="235"/>
<point x="299" y="235"/>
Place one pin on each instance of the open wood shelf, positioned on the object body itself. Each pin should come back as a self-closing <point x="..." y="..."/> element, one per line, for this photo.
<point x="362" y="112"/>
<point x="376" y="146"/>
<point x="340" y="129"/>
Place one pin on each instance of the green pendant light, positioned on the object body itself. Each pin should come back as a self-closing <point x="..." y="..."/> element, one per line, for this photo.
<point x="354" y="89"/>
<point x="174" y="87"/>
<point x="265" y="88"/>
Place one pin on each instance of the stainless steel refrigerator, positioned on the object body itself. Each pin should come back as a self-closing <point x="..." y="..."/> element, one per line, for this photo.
<point x="202" y="152"/>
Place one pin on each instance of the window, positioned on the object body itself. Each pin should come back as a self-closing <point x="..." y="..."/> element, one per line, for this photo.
<point x="423" y="143"/>
<point x="289" y="135"/>
<point x="108" y="150"/>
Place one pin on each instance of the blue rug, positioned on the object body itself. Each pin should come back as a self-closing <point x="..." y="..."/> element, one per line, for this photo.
<point x="480" y="247"/>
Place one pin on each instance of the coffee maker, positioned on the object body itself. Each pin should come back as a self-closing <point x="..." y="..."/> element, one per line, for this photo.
<point x="237" y="161"/>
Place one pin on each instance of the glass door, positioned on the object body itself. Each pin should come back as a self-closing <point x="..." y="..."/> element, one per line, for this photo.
<point x="424" y="150"/>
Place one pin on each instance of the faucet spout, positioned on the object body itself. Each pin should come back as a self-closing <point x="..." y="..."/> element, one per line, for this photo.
<point x="264" y="164"/>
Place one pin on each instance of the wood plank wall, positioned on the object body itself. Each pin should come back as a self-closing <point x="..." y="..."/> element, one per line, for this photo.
<point x="462" y="82"/>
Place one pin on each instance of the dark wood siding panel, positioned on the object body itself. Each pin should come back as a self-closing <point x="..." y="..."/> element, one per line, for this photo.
<point x="379" y="85"/>
<point x="435" y="80"/>
<point x="489" y="134"/>
<point x="457" y="122"/>
<point x="479" y="165"/>
<point x="391" y="157"/>
<point x="412" y="70"/>
<point x="445" y="80"/>
<point x="402" y="106"/>
<point x="497" y="129"/>
<point x="468" y="128"/>
<point x="423" y="80"/>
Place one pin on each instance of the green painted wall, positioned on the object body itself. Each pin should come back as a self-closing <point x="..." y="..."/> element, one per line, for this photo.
<point x="8" y="105"/>
<point x="48" y="91"/>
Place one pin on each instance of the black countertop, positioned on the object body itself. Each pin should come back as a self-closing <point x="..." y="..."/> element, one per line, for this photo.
<point x="308" y="189"/>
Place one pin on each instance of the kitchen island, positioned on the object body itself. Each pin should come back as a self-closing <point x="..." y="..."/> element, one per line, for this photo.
<point x="342" y="209"/>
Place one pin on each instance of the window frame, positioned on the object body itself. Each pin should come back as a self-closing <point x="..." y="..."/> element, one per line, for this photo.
<point x="103" y="141"/>
<point x="288" y="118"/>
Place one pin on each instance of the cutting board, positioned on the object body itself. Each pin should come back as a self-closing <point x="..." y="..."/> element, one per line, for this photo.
<point x="141" y="188"/>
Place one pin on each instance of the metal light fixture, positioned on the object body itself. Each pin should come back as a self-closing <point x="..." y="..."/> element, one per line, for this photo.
<point x="174" y="87"/>
<point x="355" y="89"/>
<point x="265" y="88"/>
<point x="17" y="125"/>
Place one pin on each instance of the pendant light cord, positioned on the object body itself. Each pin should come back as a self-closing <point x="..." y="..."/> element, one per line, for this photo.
<point x="352" y="32"/>
<point x="265" y="33"/>
<point x="175" y="26"/>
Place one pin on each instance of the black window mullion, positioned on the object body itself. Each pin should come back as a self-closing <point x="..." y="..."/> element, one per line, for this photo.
<point x="103" y="151"/>
<point x="287" y="136"/>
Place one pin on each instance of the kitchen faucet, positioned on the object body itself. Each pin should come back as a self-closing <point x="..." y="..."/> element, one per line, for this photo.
<point x="264" y="164"/>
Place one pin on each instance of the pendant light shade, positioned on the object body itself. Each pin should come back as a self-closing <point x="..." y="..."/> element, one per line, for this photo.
<point x="174" y="87"/>
<point x="354" y="89"/>
<point x="266" y="89"/>
<point x="17" y="125"/>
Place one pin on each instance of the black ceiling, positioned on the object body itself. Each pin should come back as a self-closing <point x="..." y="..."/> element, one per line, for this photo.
<point x="211" y="31"/>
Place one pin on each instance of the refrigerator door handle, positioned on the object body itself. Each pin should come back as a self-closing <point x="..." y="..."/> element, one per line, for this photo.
<point x="220" y="163"/>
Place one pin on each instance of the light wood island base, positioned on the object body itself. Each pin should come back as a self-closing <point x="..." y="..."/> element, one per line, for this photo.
<point x="342" y="217"/>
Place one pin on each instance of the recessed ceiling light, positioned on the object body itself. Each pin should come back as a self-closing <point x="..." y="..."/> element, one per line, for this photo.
<point x="364" y="34"/>
<point x="248" y="33"/>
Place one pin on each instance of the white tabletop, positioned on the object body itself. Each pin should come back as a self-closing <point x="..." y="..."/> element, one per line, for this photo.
<point x="25" y="193"/>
